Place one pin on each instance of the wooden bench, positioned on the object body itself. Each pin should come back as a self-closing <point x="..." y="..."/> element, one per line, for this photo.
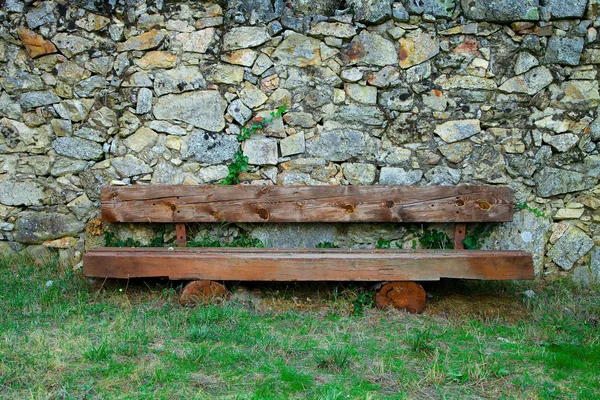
<point x="257" y="204"/>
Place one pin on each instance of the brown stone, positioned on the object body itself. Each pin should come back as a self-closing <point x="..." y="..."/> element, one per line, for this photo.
<point x="157" y="59"/>
<point x="146" y="41"/>
<point x="35" y="44"/>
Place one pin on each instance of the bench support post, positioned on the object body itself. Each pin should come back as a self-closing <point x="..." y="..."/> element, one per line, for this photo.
<point x="181" y="235"/>
<point x="409" y="296"/>
<point x="460" y="232"/>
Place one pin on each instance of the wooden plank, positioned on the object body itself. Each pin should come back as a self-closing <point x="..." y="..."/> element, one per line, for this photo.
<point x="460" y="232"/>
<point x="307" y="264"/>
<point x="246" y="203"/>
<point x="181" y="235"/>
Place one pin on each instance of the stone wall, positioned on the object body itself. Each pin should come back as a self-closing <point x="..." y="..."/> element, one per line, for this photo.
<point x="418" y="92"/>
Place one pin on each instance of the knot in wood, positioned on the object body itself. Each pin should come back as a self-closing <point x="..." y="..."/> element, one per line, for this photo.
<point x="216" y="215"/>
<point x="349" y="208"/>
<point x="389" y="204"/>
<point x="484" y="205"/>
<point x="264" y="190"/>
<point x="263" y="213"/>
<point x="173" y="207"/>
<point x="460" y="202"/>
<point x="299" y="204"/>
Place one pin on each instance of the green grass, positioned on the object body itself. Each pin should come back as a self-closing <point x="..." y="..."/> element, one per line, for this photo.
<point x="72" y="338"/>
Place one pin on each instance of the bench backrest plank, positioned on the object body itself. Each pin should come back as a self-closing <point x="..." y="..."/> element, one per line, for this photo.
<point x="247" y="203"/>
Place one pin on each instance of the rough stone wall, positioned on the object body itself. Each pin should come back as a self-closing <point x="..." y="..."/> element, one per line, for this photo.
<point x="418" y="92"/>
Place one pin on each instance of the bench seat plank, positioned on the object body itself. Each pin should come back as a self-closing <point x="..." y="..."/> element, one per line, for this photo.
<point x="251" y="264"/>
<point x="246" y="203"/>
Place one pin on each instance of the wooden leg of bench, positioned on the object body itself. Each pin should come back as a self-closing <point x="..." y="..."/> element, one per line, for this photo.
<point x="409" y="296"/>
<point x="202" y="292"/>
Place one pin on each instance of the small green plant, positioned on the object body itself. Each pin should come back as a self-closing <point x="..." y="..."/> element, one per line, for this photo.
<point x="475" y="238"/>
<point x="111" y="240"/>
<point x="525" y="206"/>
<point x="433" y="239"/>
<point x="240" y="162"/>
<point x="335" y="359"/>
<point x="383" y="244"/>
<point x="421" y="342"/>
<point x="327" y="245"/>
<point x="362" y="301"/>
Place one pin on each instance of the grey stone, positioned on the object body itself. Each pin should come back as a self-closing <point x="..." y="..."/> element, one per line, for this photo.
<point x="165" y="173"/>
<point x="553" y="181"/>
<point x="252" y="96"/>
<point x="454" y="131"/>
<point x="456" y="152"/>
<point x="572" y="245"/>
<point x="9" y="107"/>
<point x="261" y="151"/>
<point x="359" y="114"/>
<point x="245" y="37"/>
<point x="225" y="73"/>
<point x="181" y="79"/>
<point x="359" y="174"/>
<point x="21" y="81"/>
<point x="295" y="235"/>
<point x="90" y="86"/>
<point x="438" y="8"/>
<point x="142" y="139"/>
<point x="361" y="93"/>
<point x="399" y="13"/>
<point x="371" y="11"/>
<point x="26" y="193"/>
<point x="81" y="206"/>
<point x="595" y="263"/>
<point x="203" y="109"/>
<point x="501" y="10"/>
<point x="214" y="173"/>
<point x="197" y="42"/>
<point x="211" y="148"/>
<point x="298" y="50"/>
<point x="370" y="49"/>
<point x="14" y="6"/>
<point x="144" y="101"/>
<point x="562" y="143"/>
<point x="591" y="165"/>
<point x="21" y="138"/>
<point x="36" y="227"/>
<point x="399" y="176"/>
<point x="38" y="99"/>
<point x="335" y="29"/>
<point x="129" y="165"/>
<point x="337" y="145"/>
<point x="64" y="166"/>
<point x="400" y="99"/>
<point x="71" y="45"/>
<point x="524" y="62"/>
<point x="293" y="144"/>
<point x="564" y="50"/>
<point x="77" y="148"/>
<point x="526" y="232"/>
<point x="302" y="119"/>
<point x="96" y="135"/>
<point x="321" y="7"/>
<point x="40" y="15"/>
<point x="560" y="9"/>
<point x="530" y="82"/>
<point x="259" y="10"/>
<point x="240" y="113"/>
<point x="441" y="175"/>
<point x="74" y="110"/>
<point x="165" y="127"/>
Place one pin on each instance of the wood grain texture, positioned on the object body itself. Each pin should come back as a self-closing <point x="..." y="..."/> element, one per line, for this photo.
<point x="246" y="203"/>
<point x="307" y="264"/>
<point x="409" y="296"/>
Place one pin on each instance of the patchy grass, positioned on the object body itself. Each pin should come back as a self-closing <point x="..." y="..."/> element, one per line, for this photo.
<point x="62" y="336"/>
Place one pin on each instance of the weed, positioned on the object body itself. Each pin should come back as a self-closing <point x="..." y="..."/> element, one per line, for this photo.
<point x="335" y="359"/>
<point x="362" y="301"/>
<point x="383" y="244"/>
<point x="525" y="206"/>
<point x="326" y="245"/>
<point x="433" y="239"/>
<point x="477" y="235"/>
<point x="421" y="342"/>
<point x="240" y="161"/>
